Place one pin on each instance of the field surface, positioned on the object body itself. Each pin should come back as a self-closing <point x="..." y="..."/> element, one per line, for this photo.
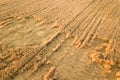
<point x="59" y="39"/>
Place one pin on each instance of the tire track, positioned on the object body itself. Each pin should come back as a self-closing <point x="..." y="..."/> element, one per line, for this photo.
<point x="47" y="43"/>
<point x="60" y="51"/>
<point x="94" y="29"/>
<point x="56" y="46"/>
<point x="104" y="19"/>
<point x="16" y="30"/>
<point x="31" y="56"/>
<point x="82" y="26"/>
<point x="47" y="49"/>
<point x="81" y="39"/>
<point x="55" y="49"/>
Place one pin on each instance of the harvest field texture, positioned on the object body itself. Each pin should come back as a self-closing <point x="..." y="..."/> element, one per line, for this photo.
<point x="59" y="39"/>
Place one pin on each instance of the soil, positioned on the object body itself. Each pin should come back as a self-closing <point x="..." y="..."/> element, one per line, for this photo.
<point x="59" y="39"/>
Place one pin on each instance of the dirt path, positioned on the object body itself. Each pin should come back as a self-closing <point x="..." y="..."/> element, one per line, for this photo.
<point x="59" y="40"/>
